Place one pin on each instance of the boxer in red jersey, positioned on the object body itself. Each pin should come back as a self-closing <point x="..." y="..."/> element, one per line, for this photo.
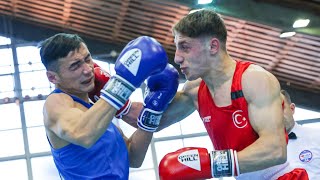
<point x="239" y="103"/>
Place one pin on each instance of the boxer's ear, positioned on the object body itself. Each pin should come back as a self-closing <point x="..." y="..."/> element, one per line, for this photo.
<point x="214" y="45"/>
<point x="53" y="77"/>
<point x="292" y="107"/>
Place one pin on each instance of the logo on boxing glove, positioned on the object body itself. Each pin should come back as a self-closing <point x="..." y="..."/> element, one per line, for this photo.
<point x="131" y="60"/>
<point x="151" y="119"/>
<point x="191" y="159"/>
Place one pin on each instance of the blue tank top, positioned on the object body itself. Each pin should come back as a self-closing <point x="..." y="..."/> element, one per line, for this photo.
<point x="106" y="159"/>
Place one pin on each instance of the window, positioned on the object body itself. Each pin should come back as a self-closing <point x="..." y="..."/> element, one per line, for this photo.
<point x="33" y="113"/>
<point x="11" y="143"/>
<point x="6" y="86"/>
<point x="38" y="140"/>
<point x="44" y="168"/>
<point x="4" y="40"/>
<point x="16" y="169"/>
<point x="36" y="133"/>
<point x="6" y="73"/>
<point x="34" y="83"/>
<point x="6" y="63"/>
<point x="12" y="119"/>
<point x="29" y="59"/>
<point x="31" y="68"/>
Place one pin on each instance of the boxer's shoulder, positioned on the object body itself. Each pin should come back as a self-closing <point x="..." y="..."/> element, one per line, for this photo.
<point x="58" y="99"/>
<point x="256" y="81"/>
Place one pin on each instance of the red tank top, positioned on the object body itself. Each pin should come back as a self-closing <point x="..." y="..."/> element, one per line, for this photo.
<point x="228" y="127"/>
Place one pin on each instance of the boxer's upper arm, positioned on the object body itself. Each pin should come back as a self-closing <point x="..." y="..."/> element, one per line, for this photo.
<point x="59" y="113"/>
<point x="262" y="92"/>
<point x="76" y="125"/>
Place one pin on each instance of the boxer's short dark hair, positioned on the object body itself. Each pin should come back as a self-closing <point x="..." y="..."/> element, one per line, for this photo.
<point x="58" y="46"/>
<point x="202" y="23"/>
<point x="286" y="95"/>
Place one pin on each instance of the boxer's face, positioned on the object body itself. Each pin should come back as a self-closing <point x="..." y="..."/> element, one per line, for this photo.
<point x="192" y="56"/>
<point x="75" y="74"/>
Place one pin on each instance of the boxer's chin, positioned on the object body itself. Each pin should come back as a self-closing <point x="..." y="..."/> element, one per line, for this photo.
<point x="186" y="75"/>
<point x="190" y="78"/>
<point x="88" y="87"/>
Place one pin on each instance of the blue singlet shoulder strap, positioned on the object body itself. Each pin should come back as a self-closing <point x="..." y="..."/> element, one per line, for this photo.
<point x="75" y="98"/>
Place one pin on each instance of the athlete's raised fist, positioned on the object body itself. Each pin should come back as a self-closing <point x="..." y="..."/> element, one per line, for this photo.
<point x="139" y="59"/>
<point x="101" y="78"/>
<point x="160" y="90"/>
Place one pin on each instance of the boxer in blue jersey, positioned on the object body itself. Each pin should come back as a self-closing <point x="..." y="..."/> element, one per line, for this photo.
<point x="85" y="144"/>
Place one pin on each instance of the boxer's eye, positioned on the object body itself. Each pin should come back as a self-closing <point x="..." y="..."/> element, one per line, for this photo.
<point x="75" y="66"/>
<point x="88" y="58"/>
<point x="185" y="48"/>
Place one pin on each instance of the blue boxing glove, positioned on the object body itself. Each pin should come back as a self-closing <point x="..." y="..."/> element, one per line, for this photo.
<point x="140" y="58"/>
<point x="161" y="88"/>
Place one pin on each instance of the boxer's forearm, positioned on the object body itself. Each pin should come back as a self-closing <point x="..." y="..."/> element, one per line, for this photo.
<point x="139" y="141"/>
<point x="131" y="117"/>
<point x="178" y="109"/>
<point x="263" y="153"/>
<point x="138" y="145"/>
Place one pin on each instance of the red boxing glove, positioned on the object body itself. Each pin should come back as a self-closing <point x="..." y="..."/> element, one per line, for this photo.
<point x="95" y="65"/>
<point x="196" y="163"/>
<point x="101" y="78"/>
<point x="187" y="163"/>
